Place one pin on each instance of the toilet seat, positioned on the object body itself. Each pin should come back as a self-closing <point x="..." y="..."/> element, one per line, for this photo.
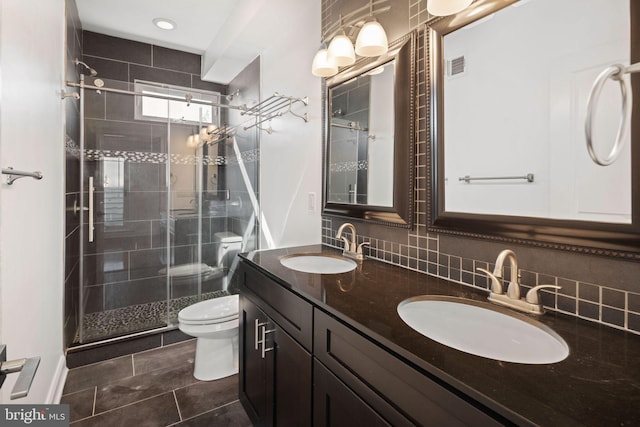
<point x="212" y="311"/>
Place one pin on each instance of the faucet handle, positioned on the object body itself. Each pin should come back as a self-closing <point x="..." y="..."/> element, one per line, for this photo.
<point x="347" y="244"/>
<point x="359" y="250"/>
<point x="496" y="284"/>
<point x="533" y="296"/>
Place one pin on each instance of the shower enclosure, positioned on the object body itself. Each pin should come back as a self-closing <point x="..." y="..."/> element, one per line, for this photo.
<point x="158" y="165"/>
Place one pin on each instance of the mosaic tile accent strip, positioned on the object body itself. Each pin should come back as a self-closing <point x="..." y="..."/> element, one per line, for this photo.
<point x="136" y="318"/>
<point x="156" y="158"/>
<point x="249" y="156"/>
<point x="71" y="148"/>
<point x="349" y="166"/>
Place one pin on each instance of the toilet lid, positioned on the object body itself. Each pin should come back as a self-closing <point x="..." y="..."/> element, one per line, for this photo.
<point x="216" y="310"/>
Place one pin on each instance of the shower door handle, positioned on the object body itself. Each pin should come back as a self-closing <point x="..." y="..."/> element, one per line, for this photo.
<point x="92" y="190"/>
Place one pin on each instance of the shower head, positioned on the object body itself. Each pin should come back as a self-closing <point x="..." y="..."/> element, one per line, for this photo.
<point x="91" y="70"/>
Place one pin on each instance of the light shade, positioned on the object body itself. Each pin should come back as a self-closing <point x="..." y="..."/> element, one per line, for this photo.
<point x="323" y="65"/>
<point x="341" y="50"/>
<point x="193" y="140"/>
<point x="372" y="40"/>
<point x="204" y="135"/>
<point x="446" y="7"/>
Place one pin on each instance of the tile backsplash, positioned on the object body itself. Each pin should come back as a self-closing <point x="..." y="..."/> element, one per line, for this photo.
<point x="595" y="302"/>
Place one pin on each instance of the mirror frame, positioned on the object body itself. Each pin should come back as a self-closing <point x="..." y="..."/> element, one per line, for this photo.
<point x="597" y="238"/>
<point x="400" y="214"/>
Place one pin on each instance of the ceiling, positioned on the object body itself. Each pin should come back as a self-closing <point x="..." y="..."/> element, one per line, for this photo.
<point x="228" y="33"/>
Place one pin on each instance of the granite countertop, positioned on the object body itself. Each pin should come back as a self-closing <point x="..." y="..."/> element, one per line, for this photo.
<point x="598" y="384"/>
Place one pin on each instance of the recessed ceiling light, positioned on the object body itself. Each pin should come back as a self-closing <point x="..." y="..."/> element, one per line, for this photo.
<point x="165" y="24"/>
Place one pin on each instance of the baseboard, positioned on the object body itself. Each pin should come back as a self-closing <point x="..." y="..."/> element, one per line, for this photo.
<point x="57" y="385"/>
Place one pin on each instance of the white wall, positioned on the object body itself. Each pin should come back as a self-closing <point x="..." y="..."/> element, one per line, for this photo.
<point x="291" y="157"/>
<point x="545" y="82"/>
<point x="31" y="212"/>
<point x="381" y="125"/>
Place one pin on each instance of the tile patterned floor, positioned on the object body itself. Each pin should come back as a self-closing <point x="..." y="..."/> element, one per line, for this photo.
<point x="151" y="388"/>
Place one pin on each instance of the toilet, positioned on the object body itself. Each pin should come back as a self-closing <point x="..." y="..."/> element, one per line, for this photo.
<point x="214" y="322"/>
<point x="229" y="244"/>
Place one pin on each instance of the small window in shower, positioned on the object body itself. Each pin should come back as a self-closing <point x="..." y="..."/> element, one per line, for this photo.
<point x="186" y="105"/>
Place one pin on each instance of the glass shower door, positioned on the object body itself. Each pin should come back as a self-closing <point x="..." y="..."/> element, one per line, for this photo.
<point x="150" y="174"/>
<point x="125" y="196"/>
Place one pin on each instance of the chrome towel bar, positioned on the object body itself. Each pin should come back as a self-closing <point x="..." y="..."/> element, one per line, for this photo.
<point x="16" y="174"/>
<point x="615" y="72"/>
<point x="529" y="177"/>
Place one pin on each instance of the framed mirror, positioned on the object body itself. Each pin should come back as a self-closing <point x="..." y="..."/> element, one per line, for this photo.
<point x="509" y="82"/>
<point x="369" y="138"/>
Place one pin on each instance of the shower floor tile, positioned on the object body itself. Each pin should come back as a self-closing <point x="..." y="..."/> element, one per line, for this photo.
<point x="136" y="318"/>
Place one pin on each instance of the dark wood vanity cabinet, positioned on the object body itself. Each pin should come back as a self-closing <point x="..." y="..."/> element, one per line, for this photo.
<point x="335" y="404"/>
<point x="256" y="372"/>
<point x="356" y="381"/>
<point x="275" y="380"/>
<point x="275" y="370"/>
<point x="400" y="394"/>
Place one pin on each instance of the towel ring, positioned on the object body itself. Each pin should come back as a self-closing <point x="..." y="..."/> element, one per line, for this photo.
<point x="614" y="72"/>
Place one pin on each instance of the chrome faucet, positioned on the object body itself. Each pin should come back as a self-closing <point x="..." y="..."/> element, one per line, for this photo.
<point x="530" y="303"/>
<point x="351" y="248"/>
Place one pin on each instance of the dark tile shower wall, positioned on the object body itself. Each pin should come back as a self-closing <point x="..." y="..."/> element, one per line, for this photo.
<point x="72" y="175"/>
<point x="603" y="290"/>
<point x="124" y="266"/>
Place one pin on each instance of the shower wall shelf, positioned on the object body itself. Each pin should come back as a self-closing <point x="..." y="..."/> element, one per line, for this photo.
<point x="16" y="174"/>
<point x="276" y="105"/>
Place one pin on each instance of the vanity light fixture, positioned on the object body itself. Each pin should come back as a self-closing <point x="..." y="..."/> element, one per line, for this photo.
<point x="370" y="42"/>
<point x="207" y="135"/>
<point x="193" y="140"/>
<point x="341" y="50"/>
<point x="323" y="65"/>
<point x="446" y="7"/>
<point x="164" y="24"/>
<point x="204" y="134"/>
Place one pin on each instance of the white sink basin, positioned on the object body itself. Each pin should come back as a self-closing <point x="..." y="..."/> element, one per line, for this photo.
<point x="318" y="263"/>
<point x="484" y="330"/>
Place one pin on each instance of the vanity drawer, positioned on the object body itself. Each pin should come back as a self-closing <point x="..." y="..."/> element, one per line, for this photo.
<point x="371" y="371"/>
<point x="292" y="313"/>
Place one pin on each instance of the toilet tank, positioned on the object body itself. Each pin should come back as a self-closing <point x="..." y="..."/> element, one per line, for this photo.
<point x="229" y="244"/>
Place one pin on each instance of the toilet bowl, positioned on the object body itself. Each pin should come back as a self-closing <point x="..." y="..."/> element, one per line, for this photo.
<point x="214" y="323"/>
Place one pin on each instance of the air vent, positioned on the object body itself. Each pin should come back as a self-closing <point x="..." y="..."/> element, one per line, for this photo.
<point x="456" y="66"/>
